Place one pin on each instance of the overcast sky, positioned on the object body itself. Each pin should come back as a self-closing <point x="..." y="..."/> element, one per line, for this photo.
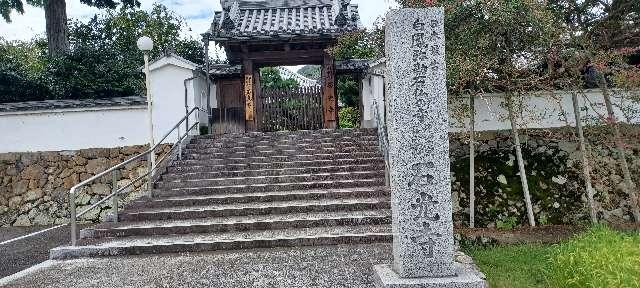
<point x="197" y="14"/>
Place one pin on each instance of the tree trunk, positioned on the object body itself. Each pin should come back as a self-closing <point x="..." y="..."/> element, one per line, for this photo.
<point x="472" y="155"/>
<point x="629" y="185"/>
<point x="586" y="167"/>
<point x="55" y="12"/>
<point x="523" y="175"/>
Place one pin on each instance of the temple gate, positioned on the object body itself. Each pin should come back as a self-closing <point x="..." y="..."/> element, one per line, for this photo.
<point x="256" y="34"/>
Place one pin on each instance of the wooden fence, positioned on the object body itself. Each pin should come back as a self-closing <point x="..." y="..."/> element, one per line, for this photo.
<point x="290" y="109"/>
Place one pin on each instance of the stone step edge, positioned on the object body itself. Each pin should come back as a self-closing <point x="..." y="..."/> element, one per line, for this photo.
<point x="69" y="252"/>
<point x="187" y="181"/>
<point x="283" y="152"/>
<point x="236" y="147"/>
<point x="183" y="164"/>
<point x="357" y="201"/>
<point x="187" y="197"/>
<point x="276" y="157"/>
<point x="178" y="190"/>
<point x="253" y="135"/>
<point x="304" y="131"/>
<point x="263" y="140"/>
<point x="90" y="233"/>
<point x="331" y="167"/>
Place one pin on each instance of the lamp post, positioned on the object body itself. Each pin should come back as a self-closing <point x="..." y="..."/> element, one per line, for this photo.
<point x="145" y="44"/>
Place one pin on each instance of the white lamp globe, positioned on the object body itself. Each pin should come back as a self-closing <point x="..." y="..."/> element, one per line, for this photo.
<point x="145" y="43"/>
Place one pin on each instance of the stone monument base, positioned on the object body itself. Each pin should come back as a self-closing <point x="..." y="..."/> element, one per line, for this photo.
<point x="466" y="277"/>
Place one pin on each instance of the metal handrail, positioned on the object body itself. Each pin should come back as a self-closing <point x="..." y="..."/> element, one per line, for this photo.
<point x="381" y="123"/>
<point x="148" y="175"/>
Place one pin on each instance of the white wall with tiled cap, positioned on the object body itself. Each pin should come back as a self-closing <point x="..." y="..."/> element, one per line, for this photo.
<point x="542" y="109"/>
<point x="72" y="129"/>
<point x="98" y="124"/>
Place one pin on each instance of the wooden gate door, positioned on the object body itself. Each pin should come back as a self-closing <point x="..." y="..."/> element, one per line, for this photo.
<point x="290" y="109"/>
<point x="231" y="107"/>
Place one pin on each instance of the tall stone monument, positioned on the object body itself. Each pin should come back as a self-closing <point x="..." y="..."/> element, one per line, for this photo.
<point x="423" y="245"/>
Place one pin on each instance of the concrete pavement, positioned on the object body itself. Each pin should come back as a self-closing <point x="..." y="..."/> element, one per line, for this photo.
<point x="324" y="266"/>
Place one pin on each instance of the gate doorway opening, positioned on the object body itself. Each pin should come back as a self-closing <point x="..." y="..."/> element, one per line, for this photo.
<point x="231" y="107"/>
<point x="262" y="34"/>
<point x="290" y="109"/>
<point x="288" y="101"/>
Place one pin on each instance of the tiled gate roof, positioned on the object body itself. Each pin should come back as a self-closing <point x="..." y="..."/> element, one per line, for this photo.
<point x="72" y="104"/>
<point x="244" y="20"/>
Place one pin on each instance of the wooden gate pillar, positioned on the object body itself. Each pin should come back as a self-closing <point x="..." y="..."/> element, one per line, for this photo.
<point x="329" y="97"/>
<point x="249" y="93"/>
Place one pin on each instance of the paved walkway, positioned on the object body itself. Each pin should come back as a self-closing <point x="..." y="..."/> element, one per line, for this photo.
<point x="328" y="266"/>
<point x="25" y="253"/>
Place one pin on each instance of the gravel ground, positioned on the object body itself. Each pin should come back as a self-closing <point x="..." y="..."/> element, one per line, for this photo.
<point x="325" y="266"/>
<point x="25" y="253"/>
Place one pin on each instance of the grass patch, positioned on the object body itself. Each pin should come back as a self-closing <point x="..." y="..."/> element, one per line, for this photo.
<point x="513" y="266"/>
<point x="600" y="257"/>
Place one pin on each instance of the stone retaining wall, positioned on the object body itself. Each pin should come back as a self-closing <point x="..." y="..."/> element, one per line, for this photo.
<point x="554" y="171"/>
<point x="34" y="187"/>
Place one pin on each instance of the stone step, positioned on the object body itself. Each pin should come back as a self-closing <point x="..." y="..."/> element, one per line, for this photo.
<point x="246" y="209"/>
<point x="270" y="172"/>
<point x="295" y="134"/>
<point x="269" y="179"/>
<point x="236" y="189"/>
<point x="213" y="159"/>
<point x="361" y="234"/>
<point x="266" y="152"/>
<point x="193" y="166"/>
<point x="252" y="142"/>
<point x="271" y="196"/>
<point x="213" y="147"/>
<point x="239" y="223"/>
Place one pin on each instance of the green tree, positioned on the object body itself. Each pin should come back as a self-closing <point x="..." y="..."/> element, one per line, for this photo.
<point x="602" y="37"/>
<point x="310" y="71"/>
<point x="364" y="44"/>
<point x="55" y="12"/>
<point x="103" y="60"/>
<point x="348" y="91"/>
<point x="497" y="45"/>
<point x="270" y="78"/>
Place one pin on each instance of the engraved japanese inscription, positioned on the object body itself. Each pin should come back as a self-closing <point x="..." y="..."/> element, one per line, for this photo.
<point x="249" y="97"/>
<point x="418" y="144"/>
<point x="329" y="92"/>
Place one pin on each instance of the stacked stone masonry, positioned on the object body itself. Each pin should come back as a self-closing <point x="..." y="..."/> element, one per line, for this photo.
<point x="34" y="186"/>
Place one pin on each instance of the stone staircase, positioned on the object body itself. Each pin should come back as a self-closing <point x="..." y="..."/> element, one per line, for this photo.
<point x="255" y="190"/>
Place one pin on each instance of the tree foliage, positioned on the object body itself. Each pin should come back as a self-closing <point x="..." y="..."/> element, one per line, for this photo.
<point x="311" y="71"/>
<point x="364" y="44"/>
<point x="270" y="78"/>
<point x="348" y="91"/>
<point x="103" y="62"/>
<point x="55" y="12"/>
<point x="6" y="6"/>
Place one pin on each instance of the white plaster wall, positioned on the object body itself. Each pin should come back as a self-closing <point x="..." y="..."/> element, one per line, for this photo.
<point x="167" y="87"/>
<point x="108" y="127"/>
<point x="546" y="110"/>
<point x="373" y="100"/>
<point x="59" y="130"/>
<point x="541" y="109"/>
<point x="200" y="92"/>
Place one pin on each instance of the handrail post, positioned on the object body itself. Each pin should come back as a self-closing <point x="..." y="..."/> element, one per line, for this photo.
<point x="72" y="207"/>
<point x="180" y="144"/>
<point x="150" y="176"/>
<point x="114" y="188"/>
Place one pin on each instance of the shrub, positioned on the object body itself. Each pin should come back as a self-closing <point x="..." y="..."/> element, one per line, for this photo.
<point x="600" y="257"/>
<point x="103" y="61"/>
<point x="349" y="117"/>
